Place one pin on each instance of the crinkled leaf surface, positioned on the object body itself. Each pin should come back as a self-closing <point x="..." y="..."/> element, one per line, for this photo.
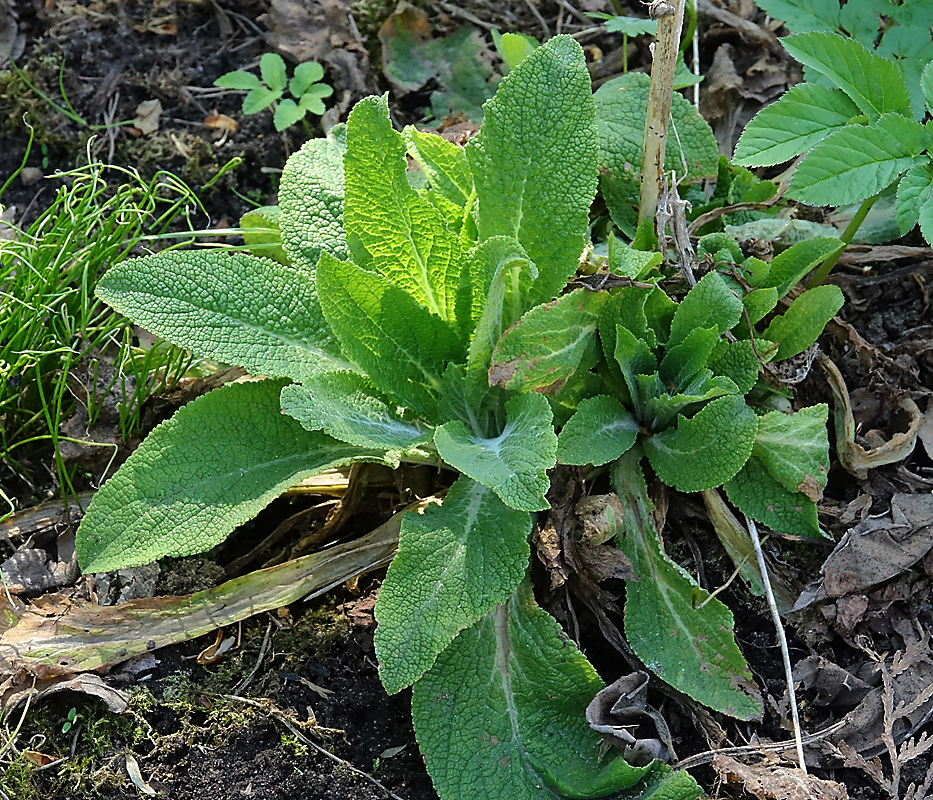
<point x="620" y="112"/>
<point x="400" y="345"/>
<point x="795" y="449"/>
<point x="444" y="163"/>
<point x="709" y="304"/>
<point x="544" y="348"/>
<point x="800" y="326"/>
<point x="262" y="234"/>
<point x="391" y="229"/>
<point x="625" y="260"/>
<point x="796" y="261"/>
<point x="679" y="631"/>
<point x="783" y="130"/>
<point x="232" y="307"/>
<point x="311" y="198"/>
<point x="739" y="362"/>
<point x="534" y="161"/>
<point x="454" y="563"/>
<point x="345" y="405"/>
<point x="515" y="463"/>
<point x="915" y="189"/>
<point x="754" y="492"/>
<point x="600" y="431"/>
<point x="682" y="362"/>
<point x="501" y="713"/>
<point x="706" y="450"/>
<point x="214" y="465"/>
<point x="872" y="81"/>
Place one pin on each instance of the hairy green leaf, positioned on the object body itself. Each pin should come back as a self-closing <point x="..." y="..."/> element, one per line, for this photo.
<point x="214" y="465"/>
<point x="444" y="163"/>
<point x="758" y="304"/>
<point x="683" y="361"/>
<point x="482" y="725"/>
<point x="661" y="407"/>
<point x="533" y="186"/>
<point x="454" y="563"/>
<point x="261" y="233"/>
<point x="801" y="325"/>
<point x="872" y="81"/>
<point x="391" y="229"/>
<point x="311" y="197"/>
<point x="600" y="431"/>
<point x="795" y="450"/>
<point x="231" y="307"/>
<point x="915" y="189"/>
<point x="739" y="361"/>
<point x="514" y="464"/>
<point x="399" y="344"/>
<point x="544" y="348"/>
<point x="798" y="260"/>
<point x="625" y="260"/>
<point x="709" y="304"/>
<point x="783" y="130"/>
<point x="707" y="450"/>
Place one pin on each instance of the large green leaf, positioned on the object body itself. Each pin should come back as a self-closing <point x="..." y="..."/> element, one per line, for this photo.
<point x="739" y="361"/>
<point x="795" y="449"/>
<point x="501" y="713"/>
<point x="872" y="81"/>
<point x="706" y="450"/>
<point x="801" y="325"/>
<point x="399" y="344"/>
<point x="915" y="189"/>
<point x="682" y="633"/>
<point x="454" y="563"/>
<point x="544" y="348"/>
<point x="783" y="130"/>
<point x="346" y="406"/>
<point x="534" y="161"/>
<point x="211" y="467"/>
<point x="804" y="15"/>
<point x="796" y="261"/>
<point x="232" y="307"/>
<point x="709" y="304"/>
<point x="514" y="464"/>
<point x="600" y="431"/>
<point x="390" y="228"/>
<point x="311" y="198"/>
<point x="621" y="105"/>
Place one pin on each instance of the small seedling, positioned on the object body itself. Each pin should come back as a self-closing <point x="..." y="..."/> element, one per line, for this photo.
<point x="305" y="87"/>
<point x="70" y="721"/>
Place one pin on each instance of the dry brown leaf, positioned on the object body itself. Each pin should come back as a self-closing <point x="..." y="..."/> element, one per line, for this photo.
<point x="221" y="122"/>
<point x="774" y="781"/>
<point x="147" y="116"/>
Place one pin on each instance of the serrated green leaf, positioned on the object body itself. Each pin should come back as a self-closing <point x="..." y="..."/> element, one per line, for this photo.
<point x="399" y="344"/>
<point x="759" y="303"/>
<point x="483" y="728"/>
<point x="926" y="220"/>
<point x="534" y="161"/>
<point x="238" y="80"/>
<point x="801" y="325"/>
<point x="514" y="47"/>
<point x="661" y="407"/>
<point x="754" y="492"/>
<point x="258" y="99"/>
<point x="261" y="233"/>
<point x="804" y="15"/>
<point x="926" y="86"/>
<point x="305" y="75"/>
<point x="707" y="450"/>
<point x="312" y="102"/>
<point x="187" y="297"/>
<point x="621" y="105"/>
<point x="872" y="81"/>
<point x="856" y="162"/>
<point x="544" y="348"/>
<point x="444" y="163"/>
<point x="683" y="361"/>
<point x="345" y="405"/>
<point x="211" y="467"/>
<point x="798" y="260"/>
<point x="794" y="448"/>
<point x="272" y="69"/>
<point x="600" y="431"/>
<point x="914" y="189"/>
<point x="311" y="197"/>
<point x="739" y="362"/>
<point x="391" y="229"/>
<point x="625" y="260"/>
<point x="287" y="113"/>
<point x="514" y="464"/>
<point x="709" y="304"/>
<point x="783" y="130"/>
<point x="673" y="625"/>
<point x="454" y="563"/>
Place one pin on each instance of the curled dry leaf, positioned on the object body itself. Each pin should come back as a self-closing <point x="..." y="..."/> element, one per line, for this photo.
<point x="770" y="780"/>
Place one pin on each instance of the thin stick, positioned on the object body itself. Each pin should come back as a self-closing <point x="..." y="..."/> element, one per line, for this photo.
<point x="782" y="639"/>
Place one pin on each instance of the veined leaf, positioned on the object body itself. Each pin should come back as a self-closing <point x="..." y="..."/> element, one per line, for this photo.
<point x="536" y="186"/>
<point x="346" y="406"/>
<point x="272" y="69"/>
<point x="801" y="325"/>
<point x="707" y="450"/>
<point x="444" y="163"/>
<point x="758" y="304"/>
<point x="214" y="465"/>
<point x="804" y="15"/>
<point x="391" y="229"/>
<point x="709" y="304"/>
<point x="673" y="625"/>
<point x="683" y="361"/>
<point x="454" y="563"/>
<point x="400" y="345"/>
<point x="634" y="360"/>
<point x="261" y="233"/>
<point x="625" y="260"/>
<point x="544" y="348"/>
<point x="856" y="162"/>
<point x="481" y="724"/>
<point x="232" y="307"/>
<point x="238" y="80"/>
<point x="515" y="463"/>
<point x="915" y="189"/>
<point x="795" y="450"/>
<point x="661" y="407"/>
<point x="739" y="361"/>
<point x="792" y="125"/>
<point x="258" y="99"/>
<point x="926" y="220"/>
<point x="311" y="198"/>
<point x="872" y="81"/>
<point x="600" y="431"/>
<point x="926" y="86"/>
<point x="796" y="261"/>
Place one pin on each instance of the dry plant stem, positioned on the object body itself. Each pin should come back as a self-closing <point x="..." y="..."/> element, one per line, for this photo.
<point x="670" y="18"/>
<point x="782" y="639"/>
